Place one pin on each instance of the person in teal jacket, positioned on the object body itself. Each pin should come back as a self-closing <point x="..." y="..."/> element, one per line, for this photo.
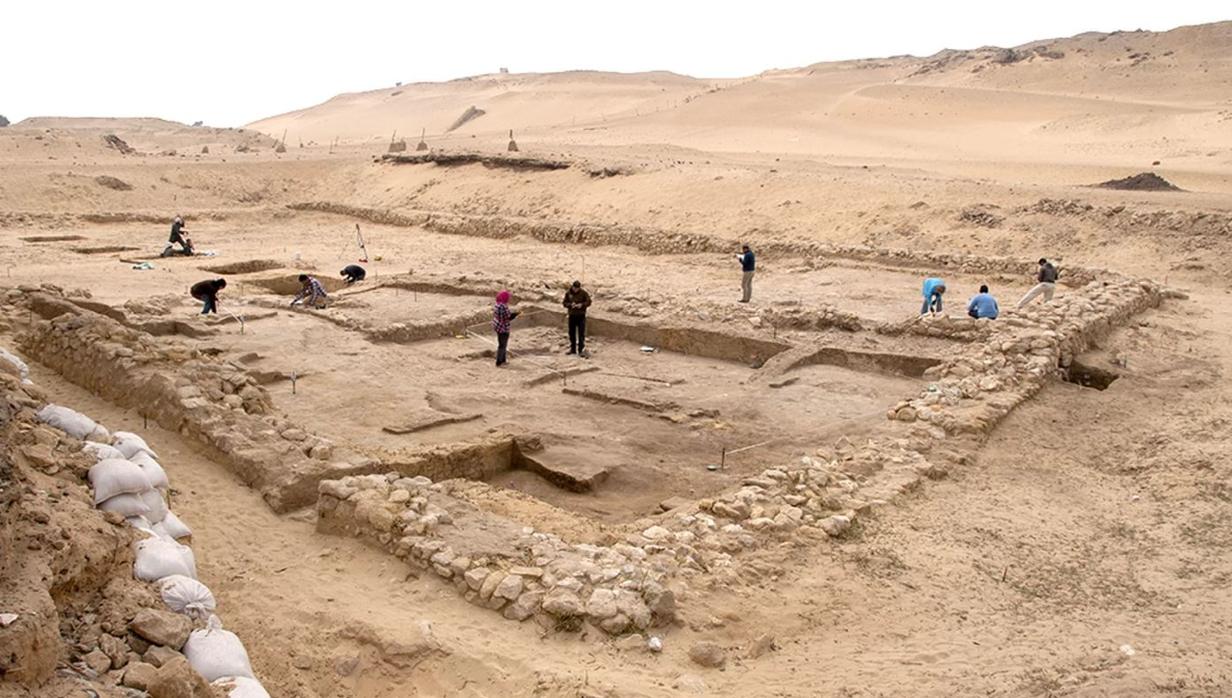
<point x="934" y="288"/>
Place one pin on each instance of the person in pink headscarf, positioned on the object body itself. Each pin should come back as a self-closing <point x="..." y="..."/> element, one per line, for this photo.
<point x="502" y="317"/>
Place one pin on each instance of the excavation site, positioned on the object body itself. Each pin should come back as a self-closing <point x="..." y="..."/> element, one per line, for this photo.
<point x="651" y="401"/>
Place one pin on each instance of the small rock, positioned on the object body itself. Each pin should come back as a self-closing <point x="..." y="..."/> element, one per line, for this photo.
<point x="176" y="679"/>
<point x="345" y="666"/>
<point x="509" y="588"/>
<point x="159" y="656"/>
<point x="708" y="654"/>
<point x="655" y="644"/>
<point x="98" y="661"/>
<point x="302" y="662"/>
<point x="763" y="644"/>
<point x="630" y="643"/>
<point x="139" y="675"/>
<point x="161" y="627"/>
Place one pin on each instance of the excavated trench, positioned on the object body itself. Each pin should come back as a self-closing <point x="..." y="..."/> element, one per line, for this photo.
<point x="246" y="267"/>
<point x="1090" y="376"/>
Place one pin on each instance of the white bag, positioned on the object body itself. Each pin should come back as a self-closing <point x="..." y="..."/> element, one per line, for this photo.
<point x="70" y="422"/>
<point x="22" y="369"/>
<point x="241" y="687"/>
<point x="186" y="595"/>
<point x="130" y="444"/>
<point x="158" y="506"/>
<point x="101" y="451"/>
<point x="141" y="524"/>
<point x="113" y="476"/>
<point x="158" y="558"/>
<point x="127" y="505"/>
<point x="215" y="653"/>
<point x="153" y="471"/>
<point x="172" y="527"/>
<point x="99" y="435"/>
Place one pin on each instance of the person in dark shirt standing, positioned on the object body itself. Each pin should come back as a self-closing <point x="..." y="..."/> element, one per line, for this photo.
<point x="748" y="264"/>
<point x="207" y="292"/>
<point x="1047" y="278"/>
<point x="353" y="273"/>
<point x="577" y="300"/>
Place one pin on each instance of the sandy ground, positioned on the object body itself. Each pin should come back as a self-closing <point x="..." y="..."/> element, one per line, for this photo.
<point x="1082" y="552"/>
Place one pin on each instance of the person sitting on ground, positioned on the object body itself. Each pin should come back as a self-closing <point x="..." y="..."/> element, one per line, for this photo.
<point x="177" y="237"/>
<point x="1047" y="283"/>
<point x="983" y="305"/>
<point x="502" y="317"/>
<point x="934" y="288"/>
<point x="312" y="290"/>
<point x="353" y="273"/>
<point x="577" y="300"/>
<point x="207" y="292"/>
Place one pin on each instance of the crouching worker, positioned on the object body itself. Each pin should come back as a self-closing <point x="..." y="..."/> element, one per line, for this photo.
<point x="207" y="292"/>
<point x="353" y="273"/>
<point x="312" y="291"/>
<point x="502" y="317"/>
<point x="934" y="289"/>
<point x="177" y="237"/>
<point x="983" y="305"/>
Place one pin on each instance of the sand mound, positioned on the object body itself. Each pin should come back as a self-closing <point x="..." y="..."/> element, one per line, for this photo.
<point x="1143" y="181"/>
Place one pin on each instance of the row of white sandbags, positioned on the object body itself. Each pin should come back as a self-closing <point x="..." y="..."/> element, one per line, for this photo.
<point x="128" y="480"/>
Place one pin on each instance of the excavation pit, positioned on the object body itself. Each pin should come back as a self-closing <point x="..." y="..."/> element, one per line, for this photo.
<point x="1090" y="376"/>
<point x="619" y="432"/>
<point x="246" y="267"/>
<point x="104" y="249"/>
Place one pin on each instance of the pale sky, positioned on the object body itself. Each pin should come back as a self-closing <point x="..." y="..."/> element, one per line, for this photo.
<point x="229" y="63"/>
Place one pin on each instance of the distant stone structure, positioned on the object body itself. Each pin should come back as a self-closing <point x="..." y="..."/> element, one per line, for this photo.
<point x="513" y="145"/>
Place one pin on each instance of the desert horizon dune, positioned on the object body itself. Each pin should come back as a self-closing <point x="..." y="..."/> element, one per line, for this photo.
<point x="820" y="492"/>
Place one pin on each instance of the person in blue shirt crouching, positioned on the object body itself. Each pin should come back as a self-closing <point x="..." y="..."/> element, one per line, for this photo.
<point x="983" y="305"/>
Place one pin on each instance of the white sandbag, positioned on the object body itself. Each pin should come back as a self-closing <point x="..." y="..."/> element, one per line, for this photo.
<point x="101" y="451"/>
<point x="130" y="444"/>
<point x="70" y="422"/>
<point x="141" y="524"/>
<point x="158" y="505"/>
<point x="23" y="370"/>
<point x="114" y="476"/>
<point x="127" y="505"/>
<point x="158" y="558"/>
<point x="241" y="687"/>
<point x="172" y="527"/>
<point x="99" y="435"/>
<point x="152" y="469"/>
<point x="215" y="653"/>
<point x="186" y="595"/>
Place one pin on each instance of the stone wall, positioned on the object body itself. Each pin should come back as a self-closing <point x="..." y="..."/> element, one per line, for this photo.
<point x="658" y="241"/>
<point x="497" y="563"/>
<point x="212" y="401"/>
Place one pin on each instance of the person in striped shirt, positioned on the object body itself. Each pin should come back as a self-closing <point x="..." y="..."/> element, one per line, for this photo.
<point x="502" y="317"/>
<point x="312" y="290"/>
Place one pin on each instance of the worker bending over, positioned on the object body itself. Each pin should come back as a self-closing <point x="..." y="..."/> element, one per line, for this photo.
<point x="353" y="273"/>
<point x="934" y="289"/>
<point x="1047" y="283"/>
<point x="177" y="237"/>
<point x="312" y="291"/>
<point x="207" y="292"/>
